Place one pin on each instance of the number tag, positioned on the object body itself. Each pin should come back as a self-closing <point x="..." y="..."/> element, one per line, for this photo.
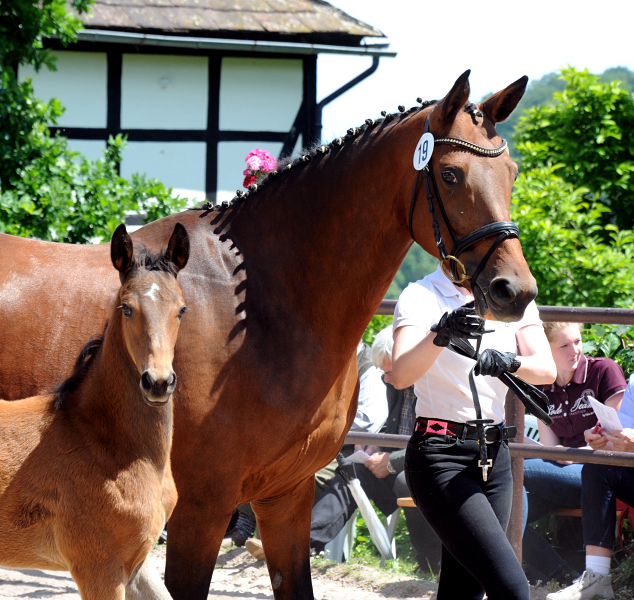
<point x="424" y="148"/>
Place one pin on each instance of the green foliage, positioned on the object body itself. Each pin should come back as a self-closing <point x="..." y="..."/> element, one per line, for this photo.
<point x="25" y="23"/>
<point x="613" y="341"/>
<point x="366" y="552"/>
<point x="65" y="197"/>
<point x="564" y="242"/>
<point x="587" y="131"/>
<point x="48" y="191"/>
<point x="378" y="323"/>
<point x="416" y="265"/>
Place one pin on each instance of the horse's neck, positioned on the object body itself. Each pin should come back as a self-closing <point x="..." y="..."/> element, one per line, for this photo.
<point x="334" y="234"/>
<point x="112" y="407"/>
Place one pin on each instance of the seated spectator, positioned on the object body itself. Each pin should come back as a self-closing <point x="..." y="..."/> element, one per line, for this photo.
<point x="557" y="484"/>
<point x="602" y="485"/>
<point x="382" y="477"/>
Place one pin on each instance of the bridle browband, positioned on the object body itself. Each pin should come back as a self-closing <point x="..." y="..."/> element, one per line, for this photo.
<point x="503" y="229"/>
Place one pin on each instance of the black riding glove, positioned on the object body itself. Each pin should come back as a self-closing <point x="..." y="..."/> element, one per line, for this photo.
<point x="494" y="363"/>
<point x="460" y="323"/>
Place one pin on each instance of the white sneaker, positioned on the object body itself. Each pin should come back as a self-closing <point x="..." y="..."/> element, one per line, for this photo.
<point x="588" y="585"/>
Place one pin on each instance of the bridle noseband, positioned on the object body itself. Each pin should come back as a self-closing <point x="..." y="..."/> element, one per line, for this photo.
<point x="503" y="229"/>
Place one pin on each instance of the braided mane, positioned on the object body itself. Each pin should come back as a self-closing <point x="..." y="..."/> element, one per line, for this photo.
<point x="318" y="149"/>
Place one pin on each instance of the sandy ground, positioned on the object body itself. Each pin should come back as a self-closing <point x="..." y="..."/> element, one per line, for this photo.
<point x="238" y="575"/>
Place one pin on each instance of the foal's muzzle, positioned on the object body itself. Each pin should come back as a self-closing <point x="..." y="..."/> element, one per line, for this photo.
<point x="157" y="392"/>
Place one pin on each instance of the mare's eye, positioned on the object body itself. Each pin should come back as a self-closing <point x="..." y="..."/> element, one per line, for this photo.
<point x="449" y="177"/>
<point x="182" y="312"/>
<point x="126" y="310"/>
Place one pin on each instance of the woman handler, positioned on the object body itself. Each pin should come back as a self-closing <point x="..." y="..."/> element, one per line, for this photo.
<point x="467" y="505"/>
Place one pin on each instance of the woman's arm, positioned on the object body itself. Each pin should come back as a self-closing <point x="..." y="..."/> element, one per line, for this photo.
<point x="546" y="435"/>
<point x="536" y="360"/>
<point x="413" y="353"/>
<point x="615" y="401"/>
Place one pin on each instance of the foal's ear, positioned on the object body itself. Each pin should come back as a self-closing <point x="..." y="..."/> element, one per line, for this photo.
<point x="454" y="100"/>
<point x="178" y="247"/>
<point x="121" y="250"/>
<point x="499" y="106"/>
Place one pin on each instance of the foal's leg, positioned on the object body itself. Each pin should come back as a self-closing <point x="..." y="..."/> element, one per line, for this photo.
<point x="100" y="581"/>
<point x="284" y="526"/>
<point x="146" y="584"/>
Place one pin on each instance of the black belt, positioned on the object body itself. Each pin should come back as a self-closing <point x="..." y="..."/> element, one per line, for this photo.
<point x="463" y="431"/>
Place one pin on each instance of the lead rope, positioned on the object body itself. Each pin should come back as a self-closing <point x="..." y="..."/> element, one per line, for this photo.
<point x="485" y="462"/>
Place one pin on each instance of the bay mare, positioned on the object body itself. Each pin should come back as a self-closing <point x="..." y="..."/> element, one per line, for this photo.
<point x="281" y="287"/>
<point x="85" y="479"/>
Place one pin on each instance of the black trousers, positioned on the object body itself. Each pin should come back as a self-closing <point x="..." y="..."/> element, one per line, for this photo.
<point x="337" y="505"/>
<point x="469" y="516"/>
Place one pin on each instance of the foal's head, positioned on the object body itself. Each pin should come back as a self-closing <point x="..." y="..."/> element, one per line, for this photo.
<point x="151" y="305"/>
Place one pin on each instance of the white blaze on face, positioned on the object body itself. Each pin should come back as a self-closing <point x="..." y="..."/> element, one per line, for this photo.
<point x="150" y="293"/>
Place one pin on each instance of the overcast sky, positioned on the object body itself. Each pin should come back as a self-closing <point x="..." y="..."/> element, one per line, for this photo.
<point x="499" y="40"/>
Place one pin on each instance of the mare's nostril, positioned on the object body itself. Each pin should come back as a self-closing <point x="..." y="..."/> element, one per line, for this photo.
<point x="502" y="291"/>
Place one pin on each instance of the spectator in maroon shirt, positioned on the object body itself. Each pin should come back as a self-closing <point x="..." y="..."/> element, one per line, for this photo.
<point x="557" y="484"/>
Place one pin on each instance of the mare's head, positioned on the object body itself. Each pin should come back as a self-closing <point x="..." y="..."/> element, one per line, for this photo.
<point x="151" y="306"/>
<point x="468" y="180"/>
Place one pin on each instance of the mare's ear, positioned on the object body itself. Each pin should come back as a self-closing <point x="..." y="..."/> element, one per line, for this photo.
<point x="178" y="247"/>
<point x="121" y="250"/>
<point x="454" y="100"/>
<point x="499" y="106"/>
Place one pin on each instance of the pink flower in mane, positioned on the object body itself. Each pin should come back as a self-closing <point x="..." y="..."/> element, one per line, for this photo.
<point x="259" y="164"/>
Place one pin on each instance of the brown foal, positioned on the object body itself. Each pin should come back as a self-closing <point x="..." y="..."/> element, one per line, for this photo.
<point x="85" y="478"/>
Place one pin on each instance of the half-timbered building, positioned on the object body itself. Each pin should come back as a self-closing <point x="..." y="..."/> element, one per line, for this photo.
<point x="196" y="84"/>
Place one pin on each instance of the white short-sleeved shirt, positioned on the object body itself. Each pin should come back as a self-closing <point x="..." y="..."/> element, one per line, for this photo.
<point x="626" y="413"/>
<point x="443" y="392"/>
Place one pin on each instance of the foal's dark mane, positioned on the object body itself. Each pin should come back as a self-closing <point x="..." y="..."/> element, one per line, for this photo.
<point x="152" y="262"/>
<point x="319" y="150"/>
<point x="142" y="260"/>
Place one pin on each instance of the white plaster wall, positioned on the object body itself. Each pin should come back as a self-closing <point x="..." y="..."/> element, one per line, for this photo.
<point x="92" y="149"/>
<point x="260" y="94"/>
<point x="164" y="92"/>
<point x="179" y="165"/>
<point x="79" y="83"/>
<point x="231" y="163"/>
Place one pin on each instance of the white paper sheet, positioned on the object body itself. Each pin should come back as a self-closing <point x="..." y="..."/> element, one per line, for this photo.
<point x="606" y="414"/>
<point x="359" y="457"/>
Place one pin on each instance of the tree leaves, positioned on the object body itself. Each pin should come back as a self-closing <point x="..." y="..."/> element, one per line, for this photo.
<point x="576" y="259"/>
<point x="586" y="129"/>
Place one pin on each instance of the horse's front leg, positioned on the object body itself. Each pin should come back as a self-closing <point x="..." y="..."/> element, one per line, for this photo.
<point x="284" y="527"/>
<point x="194" y="535"/>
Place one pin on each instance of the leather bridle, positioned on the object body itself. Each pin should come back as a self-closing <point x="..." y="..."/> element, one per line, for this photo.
<point x="502" y="229"/>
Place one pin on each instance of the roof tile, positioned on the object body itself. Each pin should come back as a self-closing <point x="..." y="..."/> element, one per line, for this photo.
<point x="286" y="17"/>
<point x="148" y="18"/>
<point x="107" y="16"/>
<point x="287" y="22"/>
